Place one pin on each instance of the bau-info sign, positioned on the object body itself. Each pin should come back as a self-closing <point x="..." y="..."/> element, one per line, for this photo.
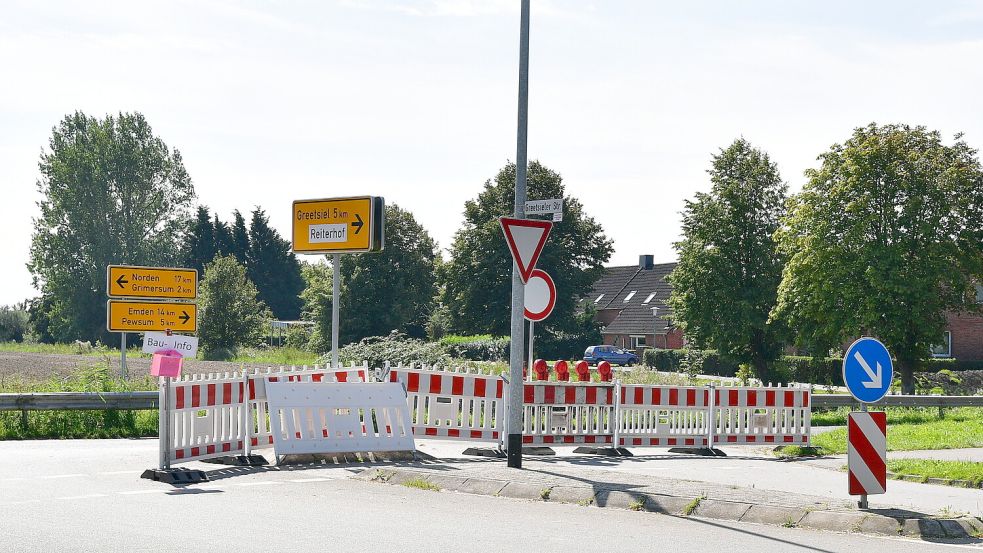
<point x="124" y="281"/>
<point x="339" y="225"/>
<point x="143" y="316"/>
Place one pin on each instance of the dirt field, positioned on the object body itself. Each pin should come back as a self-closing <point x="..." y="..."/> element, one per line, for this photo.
<point x="42" y="366"/>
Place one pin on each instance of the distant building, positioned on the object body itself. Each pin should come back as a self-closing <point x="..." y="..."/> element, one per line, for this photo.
<point x="631" y="304"/>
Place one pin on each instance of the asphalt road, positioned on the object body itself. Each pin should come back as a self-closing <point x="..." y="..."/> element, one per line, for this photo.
<point x="87" y="496"/>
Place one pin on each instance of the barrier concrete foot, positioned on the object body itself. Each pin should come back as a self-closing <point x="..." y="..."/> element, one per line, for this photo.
<point x="485" y="452"/>
<point x="175" y="476"/>
<point x="239" y="460"/>
<point x="604" y="451"/>
<point x="702" y="451"/>
<point x="537" y="450"/>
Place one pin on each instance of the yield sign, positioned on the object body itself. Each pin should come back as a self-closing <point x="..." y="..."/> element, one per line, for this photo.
<point x="526" y="238"/>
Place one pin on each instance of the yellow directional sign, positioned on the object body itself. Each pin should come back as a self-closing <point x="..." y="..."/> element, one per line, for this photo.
<point x="144" y="316"/>
<point x="151" y="282"/>
<point x="339" y="225"/>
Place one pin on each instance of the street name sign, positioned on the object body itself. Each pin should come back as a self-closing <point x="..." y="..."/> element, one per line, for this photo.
<point x="867" y="452"/>
<point x="125" y="281"/>
<point x="157" y="341"/>
<point x="526" y="238"/>
<point x="540" y="296"/>
<point x="144" y="316"/>
<point x="545" y="207"/>
<point x="339" y="225"/>
<point x="867" y="370"/>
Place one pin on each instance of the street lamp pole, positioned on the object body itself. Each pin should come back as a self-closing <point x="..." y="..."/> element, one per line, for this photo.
<point x="516" y="382"/>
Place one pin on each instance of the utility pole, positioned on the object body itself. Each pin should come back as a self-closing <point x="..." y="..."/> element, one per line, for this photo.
<point x="516" y="382"/>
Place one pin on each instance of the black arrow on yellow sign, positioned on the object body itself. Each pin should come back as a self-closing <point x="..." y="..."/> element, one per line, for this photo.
<point x="357" y="225"/>
<point x="120" y="281"/>
<point x="184" y="317"/>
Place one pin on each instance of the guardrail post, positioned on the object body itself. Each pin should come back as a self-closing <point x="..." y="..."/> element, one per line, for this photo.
<point x="23" y="419"/>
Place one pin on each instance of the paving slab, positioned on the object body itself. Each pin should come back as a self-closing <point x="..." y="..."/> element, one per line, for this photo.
<point x="833" y="521"/>
<point x="766" y="514"/>
<point x="721" y="510"/>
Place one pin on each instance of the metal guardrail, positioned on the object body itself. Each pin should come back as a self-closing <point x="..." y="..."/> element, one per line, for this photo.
<point x="57" y="401"/>
<point x="71" y="401"/>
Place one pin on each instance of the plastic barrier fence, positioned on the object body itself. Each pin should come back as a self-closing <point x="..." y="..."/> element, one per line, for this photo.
<point x="663" y="416"/>
<point x="568" y="413"/>
<point x="453" y="406"/>
<point x="312" y="417"/>
<point x="205" y="417"/>
<point x="762" y="415"/>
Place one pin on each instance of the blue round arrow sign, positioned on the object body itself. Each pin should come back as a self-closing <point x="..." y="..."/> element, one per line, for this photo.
<point x="867" y="370"/>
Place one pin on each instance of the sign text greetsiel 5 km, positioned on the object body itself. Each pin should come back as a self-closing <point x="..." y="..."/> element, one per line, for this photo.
<point x="339" y="225"/>
<point x="124" y="281"/>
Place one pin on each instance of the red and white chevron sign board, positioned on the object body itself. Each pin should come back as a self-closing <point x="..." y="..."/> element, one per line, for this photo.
<point x="867" y="452"/>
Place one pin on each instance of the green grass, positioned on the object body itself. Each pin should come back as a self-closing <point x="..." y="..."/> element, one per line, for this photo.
<point x="275" y="356"/>
<point x="899" y="415"/>
<point x="78" y="424"/>
<point x="421" y="484"/>
<point x="692" y="505"/>
<point x="795" y="451"/>
<point x="97" y="350"/>
<point x="960" y="428"/>
<point x="949" y="470"/>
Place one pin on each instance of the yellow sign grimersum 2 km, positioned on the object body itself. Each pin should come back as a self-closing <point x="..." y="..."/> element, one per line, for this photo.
<point x="125" y="281"/>
<point x="337" y="225"/>
<point x="145" y="316"/>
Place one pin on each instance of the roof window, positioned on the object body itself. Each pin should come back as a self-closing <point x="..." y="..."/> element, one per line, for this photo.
<point x="599" y="298"/>
<point x="629" y="296"/>
<point x="649" y="299"/>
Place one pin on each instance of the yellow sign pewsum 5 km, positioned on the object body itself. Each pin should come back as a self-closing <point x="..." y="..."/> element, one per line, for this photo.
<point x="144" y="316"/>
<point x="339" y="225"/>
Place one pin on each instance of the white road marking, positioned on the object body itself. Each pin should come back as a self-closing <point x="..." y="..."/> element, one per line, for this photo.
<point x="257" y="483"/>
<point x="119" y="472"/>
<point x="138" y="492"/>
<point x="306" y="480"/>
<point x="53" y="476"/>
<point x="73" y="497"/>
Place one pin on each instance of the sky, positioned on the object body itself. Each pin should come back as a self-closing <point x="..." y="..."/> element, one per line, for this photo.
<point x="415" y="100"/>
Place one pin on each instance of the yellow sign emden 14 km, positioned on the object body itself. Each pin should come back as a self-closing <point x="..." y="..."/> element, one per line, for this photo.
<point x="339" y="225"/>
<point x="144" y="316"/>
<point x="125" y="281"/>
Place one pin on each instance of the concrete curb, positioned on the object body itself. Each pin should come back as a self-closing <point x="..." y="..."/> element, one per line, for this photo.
<point x="931" y="528"/>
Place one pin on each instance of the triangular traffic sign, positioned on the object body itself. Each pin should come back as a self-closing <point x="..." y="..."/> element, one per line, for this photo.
<point x="526" y="238"/>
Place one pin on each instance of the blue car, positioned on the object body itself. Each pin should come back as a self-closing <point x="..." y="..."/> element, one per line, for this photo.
<point x="611" y="354"/>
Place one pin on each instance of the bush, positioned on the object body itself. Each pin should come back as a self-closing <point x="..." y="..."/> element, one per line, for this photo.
<point x="482" y="347"/>
<point x="230" y="314"/>
<point x="13" y="324"/>
<point x="695" y="361"/>
<point x="395" y="348"/>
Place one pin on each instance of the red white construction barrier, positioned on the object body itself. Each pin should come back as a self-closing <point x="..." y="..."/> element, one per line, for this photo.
<point x="453" y="406"/>
<point x="568" y="413"/>
<point x="761" y="415"/>
<point x="205" y="417"/>
<point x="663" y="416"/>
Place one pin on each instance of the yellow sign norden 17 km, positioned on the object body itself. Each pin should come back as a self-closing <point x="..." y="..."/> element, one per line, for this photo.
<point x="338" y="225"/>
<point x="151" y="282"/>
<point x="145" y="316"/>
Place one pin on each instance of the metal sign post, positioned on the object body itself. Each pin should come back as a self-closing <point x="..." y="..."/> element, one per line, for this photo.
<point x="867" y="374"/>
<point x="514" y="442"/>
<point x="122" y="355"/>
<point x="532" y="334"/>
<point x="335" y="308"/>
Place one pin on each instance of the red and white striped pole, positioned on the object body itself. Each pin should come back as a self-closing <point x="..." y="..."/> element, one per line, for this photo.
<point x="867" y="453"/>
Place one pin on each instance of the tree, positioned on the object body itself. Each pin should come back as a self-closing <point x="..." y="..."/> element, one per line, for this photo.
<point x="240" y="238"/>
<point x="394" y="289"/>
<point x="726" y="281"/>
<point x="223" y="238"/>
<point x="274" y="268"/>
<point x="478" y="284"/>
<point x="230" y="315"/>
<point x="198" y="246"/>
<point x="113" y="193"/>
<point x="883" y="240"/>
<point x="316" y="299"/>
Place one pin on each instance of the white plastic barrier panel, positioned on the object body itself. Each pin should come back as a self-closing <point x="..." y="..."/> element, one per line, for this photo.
<point x="205" y="417"/>
<point x="762" y="415"/>
<point x="453" y="406"/>
<point x="321" y="417"/>
<point x="568" y="413"/>
<point x="663" y="415"/>
<point x="260" y="432"/>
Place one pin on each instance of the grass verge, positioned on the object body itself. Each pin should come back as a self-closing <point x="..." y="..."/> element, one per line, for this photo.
<point x="947" y="470"/>
<point x="899" y="415"/>
<point x="949" y="433"/>
<point x="421" y="484"/>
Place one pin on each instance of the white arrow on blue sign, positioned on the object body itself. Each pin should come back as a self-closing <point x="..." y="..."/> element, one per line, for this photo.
<point x="867" y="370"/>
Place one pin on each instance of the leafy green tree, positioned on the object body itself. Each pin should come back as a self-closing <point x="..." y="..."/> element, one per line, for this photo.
<point x="274" y="268"/>
<point x="478" y="277"/>
<point x="240" y="238"/>
<point x="230" y="315"/>
<point x="13" y="323"/>
<point x="316" y="299"/>
<point x="113" y="193"/>
<point x="886" y="236"/>
<point x="198" y="246"/>
<point x="726" y="281"/>
<point x="394" y="289"/>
